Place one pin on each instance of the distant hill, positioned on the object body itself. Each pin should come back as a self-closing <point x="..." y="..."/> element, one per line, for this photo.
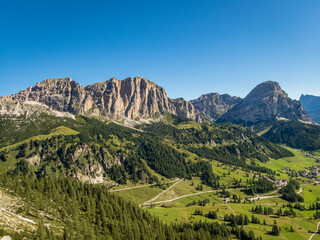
<point x="312" y="105"/>
<point x="315" y="116"/>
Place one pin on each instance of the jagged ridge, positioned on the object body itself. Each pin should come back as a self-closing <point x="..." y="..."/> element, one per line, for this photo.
<point x="214" y="104"/>
<point x="131" y="98"/>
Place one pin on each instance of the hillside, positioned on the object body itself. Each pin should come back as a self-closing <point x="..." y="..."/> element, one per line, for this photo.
<point x="178" y="170"/>
<point x="294" y="134"/>
<point x="136" y="164"/>
<point x="97" y="151"/>
<point x="67" y="209"/>
<point x="55" y="152"/>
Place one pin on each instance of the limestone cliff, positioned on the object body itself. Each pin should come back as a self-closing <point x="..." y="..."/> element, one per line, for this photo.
<point x="132" y="98"/>
<point x="214" y="104"/>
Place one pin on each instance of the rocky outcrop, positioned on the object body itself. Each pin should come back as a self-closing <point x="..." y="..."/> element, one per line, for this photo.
<point x="27" y="108"/>
<point x="132" y="98"/>
<point x="62" y="94"/>
<point x="214" y="104"/>
<point x="185" y="109"/>
<point x="264" y="102"/>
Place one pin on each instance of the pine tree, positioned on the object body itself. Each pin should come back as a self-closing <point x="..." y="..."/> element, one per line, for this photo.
<point x="275" y="230"/>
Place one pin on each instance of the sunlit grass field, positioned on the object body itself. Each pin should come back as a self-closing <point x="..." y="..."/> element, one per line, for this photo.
<point x="178" y="211"/>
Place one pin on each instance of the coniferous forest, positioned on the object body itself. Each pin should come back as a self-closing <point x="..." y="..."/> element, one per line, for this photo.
<point x="61" y="171"/>
<point x="87" y="211"/>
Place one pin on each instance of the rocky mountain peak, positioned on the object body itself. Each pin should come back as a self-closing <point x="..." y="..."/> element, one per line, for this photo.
<point x="214" y="104"/>
<point x="61" y="94"/>
<point x="266" y="101"/>
<point x="132" y="98"/>
<point x="266" y="90"/>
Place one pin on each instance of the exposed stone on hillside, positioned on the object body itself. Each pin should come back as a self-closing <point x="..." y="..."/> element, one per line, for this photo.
<point x="214" y="104"/>
<point x="17" y="108"/>
<point x="63" y="94"/>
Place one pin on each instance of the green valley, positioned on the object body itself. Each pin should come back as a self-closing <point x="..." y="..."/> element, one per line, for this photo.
<point x="178" y="171"/>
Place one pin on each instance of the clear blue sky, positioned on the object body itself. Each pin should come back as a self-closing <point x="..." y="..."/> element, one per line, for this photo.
<point x="188" y="47"/>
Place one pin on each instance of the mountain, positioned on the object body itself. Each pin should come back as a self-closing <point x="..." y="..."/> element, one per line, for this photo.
<point x="264" y="102"/>
<point x="131" y="98"/>
<point x="312" y="105"/>
<point x="315" y="116"/>
<point x="57" y="137"/>
<point x="140" y="99"/>
<point x="215" y="105"/>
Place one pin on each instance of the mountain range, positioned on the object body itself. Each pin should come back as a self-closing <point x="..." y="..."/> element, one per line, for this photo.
<point x="139" y="99"/>
<point x="58" y="136"/>
<point x="81" y="131"/>
<point x="131" y="98"/>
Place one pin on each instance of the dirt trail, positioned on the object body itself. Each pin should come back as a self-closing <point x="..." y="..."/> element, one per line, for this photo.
<point x="234" y="213"/>
<point x="210" y="191"/>
<point x="265" y="196"/>
<point x="147" y="185"/>
<point x="153" y="199"/>
<point x="193" y="194"/>
<point x="317" y="231"/>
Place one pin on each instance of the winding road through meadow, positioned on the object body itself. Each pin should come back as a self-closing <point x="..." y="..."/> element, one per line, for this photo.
<point x="153" y="199"/>
<point x="178" y="180"/>
<point x="147" y="185"/>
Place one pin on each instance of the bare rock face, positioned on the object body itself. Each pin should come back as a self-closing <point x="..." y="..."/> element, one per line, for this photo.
<point x="62" y="94"/>
<point x="264" y="102"/>
<point x="186" y="109"/>
<point x="132" y="98"/>
<point x="26" y="108"/>
<point x="214" y="104"/>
